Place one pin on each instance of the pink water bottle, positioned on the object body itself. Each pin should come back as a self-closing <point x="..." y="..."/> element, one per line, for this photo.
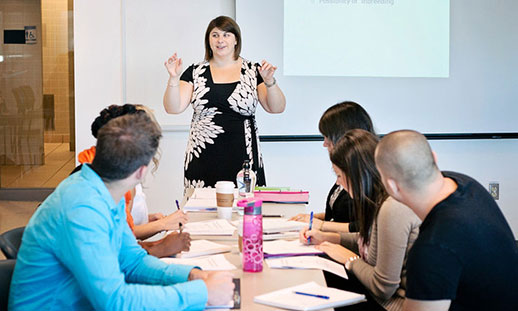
<point x="253" y="237"/>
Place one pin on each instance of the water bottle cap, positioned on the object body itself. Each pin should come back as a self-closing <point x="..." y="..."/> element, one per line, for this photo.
<point x="246" y="164"/>
<point x="254" y="207"/>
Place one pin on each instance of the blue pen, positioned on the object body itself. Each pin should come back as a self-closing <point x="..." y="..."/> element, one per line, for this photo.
<point x="310" y="225"/>
<point x="312" y="295"/>
<point x="179" y="224"/>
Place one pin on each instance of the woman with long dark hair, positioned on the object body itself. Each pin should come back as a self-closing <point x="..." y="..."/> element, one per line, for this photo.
<point x="375" y="255"/>
<point x="334" y="123"/>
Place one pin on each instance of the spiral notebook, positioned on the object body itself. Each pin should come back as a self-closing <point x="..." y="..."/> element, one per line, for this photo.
<point x="327" y="297"/>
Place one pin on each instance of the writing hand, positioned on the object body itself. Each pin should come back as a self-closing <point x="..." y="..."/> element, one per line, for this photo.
<point x="171" y="221"/>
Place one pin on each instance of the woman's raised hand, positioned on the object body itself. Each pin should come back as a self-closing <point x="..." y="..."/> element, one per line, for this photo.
<point x="266" y="71"/>
<point x="174" y="66"/>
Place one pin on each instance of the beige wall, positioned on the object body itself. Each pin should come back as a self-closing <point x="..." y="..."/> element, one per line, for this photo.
<point x="54" y="14"/>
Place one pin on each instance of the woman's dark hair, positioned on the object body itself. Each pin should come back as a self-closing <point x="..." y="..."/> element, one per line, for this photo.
<point x="354" y="156"/>
<point x="342" y="117"/>
<point x="110" y="113"/>
<point x="227" y="24"/>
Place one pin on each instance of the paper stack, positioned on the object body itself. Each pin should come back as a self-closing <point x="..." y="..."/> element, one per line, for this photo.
<point x="288" y="299"/>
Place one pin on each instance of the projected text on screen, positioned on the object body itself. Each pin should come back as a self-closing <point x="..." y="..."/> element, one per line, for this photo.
<point x="366" y="38"/>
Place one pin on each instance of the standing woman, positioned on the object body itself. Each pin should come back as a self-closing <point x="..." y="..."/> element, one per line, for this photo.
<point x="224" y="90"/>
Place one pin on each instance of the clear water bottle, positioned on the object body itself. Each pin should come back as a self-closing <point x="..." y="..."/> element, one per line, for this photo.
<point x="245" y="180"/>
<point x="253" y="237"/>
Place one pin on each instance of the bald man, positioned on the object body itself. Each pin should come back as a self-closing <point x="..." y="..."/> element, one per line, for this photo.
<point x="465" y="257"/>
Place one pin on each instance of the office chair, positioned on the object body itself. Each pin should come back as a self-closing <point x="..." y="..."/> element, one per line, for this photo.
<point x="10" y="242"/>
<point x="6" y="272"/>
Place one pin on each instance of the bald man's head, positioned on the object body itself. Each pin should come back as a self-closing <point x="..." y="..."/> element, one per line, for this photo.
<point x="406" y="157"/>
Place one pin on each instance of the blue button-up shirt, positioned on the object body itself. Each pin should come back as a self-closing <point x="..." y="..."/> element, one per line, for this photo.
<point x="78" y="253"/>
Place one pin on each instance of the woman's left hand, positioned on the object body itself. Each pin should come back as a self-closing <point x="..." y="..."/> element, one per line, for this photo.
<point x="266" y="71"/>
<point x="335" y="251"/>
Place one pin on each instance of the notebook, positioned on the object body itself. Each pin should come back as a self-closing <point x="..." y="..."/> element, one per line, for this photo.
<point x="203" y="247"/>
<point x="287" y="299"/>
<point x="280" y="248"/>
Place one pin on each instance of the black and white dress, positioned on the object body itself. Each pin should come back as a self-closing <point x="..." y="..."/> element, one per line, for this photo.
<point x="223" y="129"/>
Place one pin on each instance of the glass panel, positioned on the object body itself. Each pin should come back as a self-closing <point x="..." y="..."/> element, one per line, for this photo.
<point x="36" y="93"/>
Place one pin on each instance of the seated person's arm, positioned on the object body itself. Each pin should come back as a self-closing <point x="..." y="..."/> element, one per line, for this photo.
<point x="395" y="224"/>
<point x="305" y="217"/>
<point x="169" y="222"/>
<point x="104" y="272"/>
<point x="331" y="226"/>
<point x="429" y="305"/>
<point x="172" y="244"/>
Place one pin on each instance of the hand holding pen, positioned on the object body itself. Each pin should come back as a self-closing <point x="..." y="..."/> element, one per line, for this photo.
<point x="310" y="226"/>
<point x="171" y="221"/>
<point x="179" y="210"/>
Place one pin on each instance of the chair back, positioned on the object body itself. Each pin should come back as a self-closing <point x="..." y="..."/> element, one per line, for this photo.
<point x="10" y="242"/>
<point x="6" y="273"/>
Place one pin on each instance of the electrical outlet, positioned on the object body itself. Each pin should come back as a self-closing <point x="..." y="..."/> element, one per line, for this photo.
<point x="494" y="190"/>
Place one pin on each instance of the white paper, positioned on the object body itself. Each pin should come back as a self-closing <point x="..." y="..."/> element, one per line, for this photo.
<point x="307" y="262"/>
<point x="203" y="248"/>
<point x="288" y="247"/>
<point x="283" y="235"/>
<point x="210" y="227"/>
<point x="286" y="298"/>
<point x="271" y="225"/>
<point x="208" y="263"/>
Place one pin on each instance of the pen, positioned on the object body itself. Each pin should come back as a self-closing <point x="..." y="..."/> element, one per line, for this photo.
<point x="310" y="225"/>
<point x="273" y="216"/>
<point x="311" y="295"/>
<point x="179" y="224"/>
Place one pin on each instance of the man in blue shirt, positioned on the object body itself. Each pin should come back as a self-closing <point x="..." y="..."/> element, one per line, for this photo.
<point x="79" y="253"/>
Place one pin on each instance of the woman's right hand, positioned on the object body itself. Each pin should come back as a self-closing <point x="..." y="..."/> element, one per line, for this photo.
<point x="315" y="236"/>
<point x="174" y="66"/>
<point x="171" y="221"/>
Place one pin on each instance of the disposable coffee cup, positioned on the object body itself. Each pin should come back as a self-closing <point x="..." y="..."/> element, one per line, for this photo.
<point x="224" y="193"/>
<point x="225" y="212"/>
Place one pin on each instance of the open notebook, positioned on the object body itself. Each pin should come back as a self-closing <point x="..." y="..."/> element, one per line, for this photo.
<point x="288" y="299"/>
<point x="204" y="247"/>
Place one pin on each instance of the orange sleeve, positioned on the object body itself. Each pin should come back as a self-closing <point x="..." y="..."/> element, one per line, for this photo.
<point x="129" y="219"/>
<point x="86" y="156"/>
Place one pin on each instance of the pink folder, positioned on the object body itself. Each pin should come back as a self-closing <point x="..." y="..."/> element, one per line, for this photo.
<point x="297" y="197"/>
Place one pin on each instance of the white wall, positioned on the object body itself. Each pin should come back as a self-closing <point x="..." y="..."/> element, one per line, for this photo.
<point x="99" y="82"/>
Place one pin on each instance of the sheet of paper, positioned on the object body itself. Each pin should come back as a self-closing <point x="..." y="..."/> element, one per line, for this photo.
<point x="288" y="247"/>
<point x="307" y="262"/>
<point x="286" y="298"/>
<point x="208" y="263"/>
<point x="210" y="227"/>
<point x="203" y="248"/>
<point x="271" y="225"/>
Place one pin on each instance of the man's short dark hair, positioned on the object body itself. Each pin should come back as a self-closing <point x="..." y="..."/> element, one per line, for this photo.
<point x="124" y="144"/>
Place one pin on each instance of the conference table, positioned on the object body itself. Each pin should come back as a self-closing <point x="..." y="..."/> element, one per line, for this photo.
<point x="253" y="284"/>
